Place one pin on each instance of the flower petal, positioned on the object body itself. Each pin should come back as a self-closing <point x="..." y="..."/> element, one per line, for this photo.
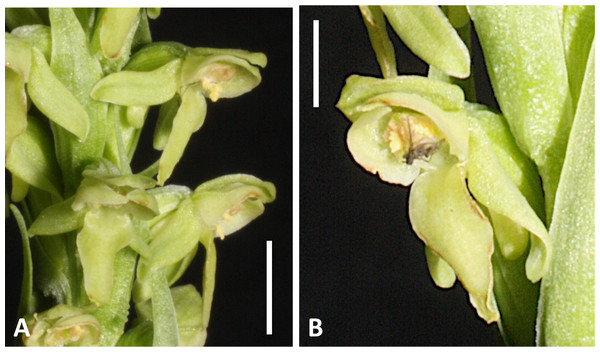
<point x="429" y="34"/>
<point x="492" y="187"/>
<point x="98" y="245"/>
<point x="448" y="220"/>
<point x="139" y="88"/>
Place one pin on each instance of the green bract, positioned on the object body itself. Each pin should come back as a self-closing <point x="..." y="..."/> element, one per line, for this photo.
<point x="137" y="88"/>
<point x="566" y="310"/>
<point x="70" y="53"/>
<point x="31" y="158"/>
<point x="188" y="309"/>
<point x="117" y="33"/>
<point x="578" y="36"/>
<point x="522" y="44"/>
<point x="55" y="100"/>
<point x="96" y="235"/>
<point x="117" y="24"/>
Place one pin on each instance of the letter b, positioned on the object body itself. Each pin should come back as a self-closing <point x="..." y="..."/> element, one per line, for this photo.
<point x="314" y="327"/>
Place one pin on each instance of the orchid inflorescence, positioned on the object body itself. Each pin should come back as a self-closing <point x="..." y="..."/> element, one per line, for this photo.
<point x="79" y="84"/>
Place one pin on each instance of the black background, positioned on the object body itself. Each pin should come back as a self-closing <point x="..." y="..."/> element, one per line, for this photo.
<point x="362" y="269"/>
<point x="249" y="134"/>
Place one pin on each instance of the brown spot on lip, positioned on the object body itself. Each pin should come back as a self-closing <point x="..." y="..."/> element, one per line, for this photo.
<point x="235" y="209"/>
<point x="477" y="211"/>
<point x="412" y="136"/>
<point x="219" y="72"/>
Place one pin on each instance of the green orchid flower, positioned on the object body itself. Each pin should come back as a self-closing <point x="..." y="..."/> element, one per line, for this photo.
<point x="216" y="208"/>
<point x="460" y="157"/>
<point x="398" y="123"/>
<point x="61" y="326"/>
<point x="104" y="197"/>
<point x="190" y="75"/>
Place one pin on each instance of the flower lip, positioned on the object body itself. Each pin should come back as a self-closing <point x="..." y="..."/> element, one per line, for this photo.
<point x="218" y="72"/>
<point x="412" y="136"/>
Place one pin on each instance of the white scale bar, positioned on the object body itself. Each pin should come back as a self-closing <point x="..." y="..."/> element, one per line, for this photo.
<point x="269" y="287"/>
<point x="315" y="63"/>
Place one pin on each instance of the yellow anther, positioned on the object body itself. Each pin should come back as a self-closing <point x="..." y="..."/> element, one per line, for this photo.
<point x="215" y="93"/>
<point x="207" y="85"/>
<point x="395" y="141"/>
<point x="213" y="89"/>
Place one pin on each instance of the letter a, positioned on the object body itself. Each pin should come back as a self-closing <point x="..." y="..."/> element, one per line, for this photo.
<point x="21" y="327"/>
